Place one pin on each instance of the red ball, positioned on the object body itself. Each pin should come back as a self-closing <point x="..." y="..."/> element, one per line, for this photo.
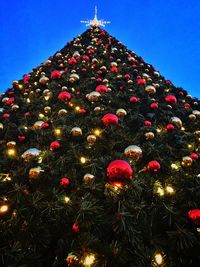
<point x="134" y="99"/>
<point x="170" y="127"/>
<point x="127" y="76"/>
<point x="64" y="96"/>
<point x="186" y="105"/>
<point x="110" y="119"/>
<point x="119" y="170"/>
<point x="6" y="115"/>
<point x="10" y="101"/>
<point x="147" y="123"/>
<point x="56" y="74"/>
<point x="154" y="105"/>
<point x="171" y="99"/>
<point x="194" y="156"/>
<point x="194" y="216"/>
<point x="21" y="138"/>
<point x="72" y="61"/>
<point x="64" y="182"/>
<point x="141" y="82"/>
<point x="44" y="125"/>
<point x="54" y="145"/>
<point x="101" y="88"/>
<point x="153" y="166"/>
<point x="99" y="72"/>
<point x="114" y="69"/>
<point x="85" y="57"/>
<point x="99" y="80"/>
<point x="75" y="228"/>
<point x="168" y="82"/>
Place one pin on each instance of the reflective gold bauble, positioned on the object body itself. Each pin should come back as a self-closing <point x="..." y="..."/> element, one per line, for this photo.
<point x="46" y="91"/>
<point x="130" y="82"/>
<point x="34" y="172"/>
<point x="121" y="112"/>
<point x="196" y="113"/>
<point x="76" y="131"/>
<point x="93" y="96"/>
<point x="97" y="109"/>
<point x="150" y="89"/>
<point x="113" y="64"/>
<point x="133" y="152"/>
<point x="72" y="259"/>
<point x="38" y="125"/>
<point x="177" y="122"/>
<point x="38" y="90"/>
<point x="186" y="161"/>
<point x="149" y="135"/>
<point x="192" y="117"/>
<point x="11" y="144"/>
<point x="73" y="77"/>
<point x="62" y="112"/>
<point x="1" y="126"/>
<point x="91" y="138"/>
<point x="105" y="81"/>
<point x="43" y="80"/>
<point x="15" y="107"/>
<point x="88" y="177"/>
<point x="47" y="110"/>
<point x="30" y="153"/>
<point x="145" y="75"/>
<point x="5" y="100"/>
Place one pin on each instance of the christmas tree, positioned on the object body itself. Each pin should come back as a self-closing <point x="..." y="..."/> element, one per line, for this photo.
<point x="99" y="162"/>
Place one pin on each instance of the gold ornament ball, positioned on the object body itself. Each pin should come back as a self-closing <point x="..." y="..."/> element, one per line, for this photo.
<point x="72" y="259"/>
<point x="15" y="107"/>
<point x="192" y="117"/>
<point x="91" y="138"/>
<point x="76" y="131"/>
<point x="97" y="109"/>
<point x="47" y="110"/>
<point x="149" y="135"/>
<point x="121" y="112"/>
<point x="62" y="112"/>
<point x="93" y="96"/>
<point x="34" y="172"/>
<point x="186" y="161"/>
<point x="133" y="152"/>
<point x="150" y="89"/>
<point x="43" y="80"/>
<point x="88" y="177"/>
<point x="11" y="144"/>
<point x="177" y="122"/>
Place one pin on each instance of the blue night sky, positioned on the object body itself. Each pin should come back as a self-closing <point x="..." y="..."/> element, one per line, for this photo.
<point x="165" y="33"/>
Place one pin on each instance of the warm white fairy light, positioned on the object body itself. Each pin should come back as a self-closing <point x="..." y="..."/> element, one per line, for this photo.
<point x="66" y="199"/>
<point x="89" y="260"/>
<point x="83" y="160"/>
<point x="4" y="208"/>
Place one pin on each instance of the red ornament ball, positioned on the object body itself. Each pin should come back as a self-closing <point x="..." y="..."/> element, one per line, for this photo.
<point x="154" y="105"/>
<point x="171" y="99"/>
<point x="21" y="138"/>
<point x="101" y="88"/>
<point x="141" y="82"/>
<point x="134" y="99"/>
<point x="72" y="61"/>
<point x="119" y="170"/>
<point x="44" y="125"/>
<point x="114" y="69"/>
<point x="110" y="119"/>
<point x="153" y="166"/>
<point x="194" y="156"/>
<point x="194" y="216"/>
<point x="56" y="74"/>
<point x="147" y="123"/>
<point x="54" y="145"/>
<point x="64" y="182"/>
<point x="169" y="127"/>
<point x="64" y="96"/>
<point x="75" y="228"/>
<point x="85" y="57"/>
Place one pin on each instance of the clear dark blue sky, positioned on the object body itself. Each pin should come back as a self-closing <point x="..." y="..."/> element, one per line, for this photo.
<point x="166" y="33"/>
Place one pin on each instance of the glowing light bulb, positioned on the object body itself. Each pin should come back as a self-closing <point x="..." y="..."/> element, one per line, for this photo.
<point x="158" y="258"/>
<point x="41" y="115"/>
<point x="160" y="191"/>
<point x="83" y="160"/>
<point x="159" y="130"/>
<point x="3" y="208"/>
<point x="46" y="97"/>
<point x="20" y="86"/>
<point x="170" y="189"/>
<point x="77" y="108"/>
<point x="117" y="185"/>
<point x="174" y="166"/>
<point x="28" y="100"/>
<point x="97" y="132"/>
<point x="11" y="152"/>
<point x="190" y="146"/>
<point x="182" y="129"/>
<point x="57" y="131"/>
<point x="89" y="260"/>
<point x="66" y="199"/>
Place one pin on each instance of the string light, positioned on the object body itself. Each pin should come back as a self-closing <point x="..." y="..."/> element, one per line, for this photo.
<point x="174" y="166"/>
<point x="47" y="97"/>
<point x="97" y="132"/>
<point x="89" y="260"/>
<point x="41" y="116"/>
<point x="20" y="86"/>
<point x="160" y="191"/>
<point x="3" y="208"/>
<point x="159" y="130"/>
<point x="57" y="132"/>
<point x="182" y="129"/>
<point x="11" y="152"/>
<point x="117" y="186"/>
<point x="158" y="258"/>
<point x="66" y="199"/>
<point x="170" y="190"/>
<point x="83" y="160"/>
<point x="28" y="100"/>
<point x="77" y="108"/>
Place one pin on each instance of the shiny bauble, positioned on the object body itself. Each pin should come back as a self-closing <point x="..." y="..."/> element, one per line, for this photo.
<point x="72" y="259"/>
<point x="150" y="89"/>
<point x="47" y="110"/>
<point x="34" y="172"/>
<point x="76" y="131"/>
<point x="186" y="161"/>
<point x="176" y="121"/>
<point x="43" y="80"/>
<point x="192" y="117"/>
<point x="93" y="96"/>
<point x="1" y="126"/>
<point x="121" y="112"/>
<point x="15" y="107"/>
<point x="149" y="135"/>
<point x="196" y="113"/>
<point x="134" y="152"/>
<point x="153" y="166"/>
<point x="97" y="109"/>
<point x="110" y="119"/>
<point x="11" y="144"/>
<point x="88" y="177"/>
<point x="73" y="77"/>
<point x="62" y="112"/>
<point x="30" y="153"/>
<point x="119" y="170"/>
<point x="91" y="138"/>
<point x="38" y="125"/>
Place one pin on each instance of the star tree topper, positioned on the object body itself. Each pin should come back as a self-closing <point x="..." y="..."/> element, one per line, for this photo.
<point x="95" y="21"/>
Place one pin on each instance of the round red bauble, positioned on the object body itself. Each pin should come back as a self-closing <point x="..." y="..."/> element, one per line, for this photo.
<point x="194" y="216"/>
<point x="99" y="72"/>
<point x="147" y="123"/>
<point x="56" y="74"/>
<point x="99" y="80"/>
<point x="134" y="99"/>
<point x="186" y="105"/>
<point x="75" y="228"/>
<point x="64" y="96"/>
<point x="72" y="61"/>
<point x="141" y="82"/>
<point x="21" y="138"/>
<point x="114" y="69"/>
<point x="119" y="170"/>
<point x="110" y="119"/>
<point x="10" y="101"/>
<point x="6" y="115"/>
<point x="153" y="166"/>
<point x="64" y="182"/>
<point x="127" y="76"/>
<point x="154" y="105"/>
<point x="83" y="70"/>
<point x="168" y="82"/>
<point x="170" y="127"/>
<point x="54" y="145"/>
<point x="85" y="57"/>
<point x="44" y="125"/>
<point x="194" y="156"/>
<point x="171" y="99"/>
<point x="101" y="88"/>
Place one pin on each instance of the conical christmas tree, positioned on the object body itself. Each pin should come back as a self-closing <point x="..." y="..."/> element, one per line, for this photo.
<point x="99" y="162"/>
